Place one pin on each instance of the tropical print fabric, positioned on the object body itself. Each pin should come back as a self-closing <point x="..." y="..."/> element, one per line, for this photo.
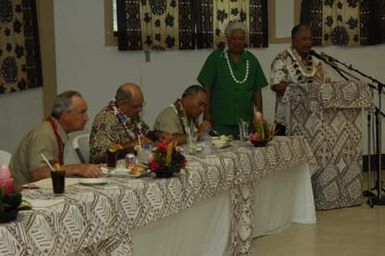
<point x="187" y="24"/>
<point x="19" y="46"/>
<point x="345" y="22"/>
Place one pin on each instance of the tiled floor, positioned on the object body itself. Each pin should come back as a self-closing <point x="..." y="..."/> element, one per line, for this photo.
<point x="356" y="231"/>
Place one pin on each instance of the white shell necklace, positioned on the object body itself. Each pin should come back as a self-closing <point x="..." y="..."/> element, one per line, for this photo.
<point x="232" y="73"/>
<point x="307" y="69"/>
<point x="179" y="110"/>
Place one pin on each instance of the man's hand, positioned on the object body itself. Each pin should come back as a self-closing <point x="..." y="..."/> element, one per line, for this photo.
<point x="204" y="125"/>
<point x="280" y="88"/>
<point x="164" y="136"/>
<point x="86" y="170"/>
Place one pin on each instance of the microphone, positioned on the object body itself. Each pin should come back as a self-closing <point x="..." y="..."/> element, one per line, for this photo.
<point x="315" y="54"/>
<point x="323" y="56"/>
<point x="327" y="57"/>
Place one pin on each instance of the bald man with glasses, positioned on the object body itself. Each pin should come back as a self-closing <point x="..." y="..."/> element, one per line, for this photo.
<point x="120" y="123"/>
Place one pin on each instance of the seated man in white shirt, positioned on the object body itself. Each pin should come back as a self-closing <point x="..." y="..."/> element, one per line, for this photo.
<point x="69" y="114"/>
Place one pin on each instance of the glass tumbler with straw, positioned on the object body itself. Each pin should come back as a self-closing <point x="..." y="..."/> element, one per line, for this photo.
<point x="58" y="179"/>
<point x="57" y="176"/>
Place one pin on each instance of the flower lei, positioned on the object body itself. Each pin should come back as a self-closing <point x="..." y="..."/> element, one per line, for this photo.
<point x="232" y="73"/>
<point x="187" y="127"/>
<point x="306" y="69"/>
<point x="124" y="120"/>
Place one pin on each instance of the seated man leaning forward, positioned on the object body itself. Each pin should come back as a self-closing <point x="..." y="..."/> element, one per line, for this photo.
<point x="120" y="123"/>
<point x="69" y="114"/>
<point x="181" y="118"/>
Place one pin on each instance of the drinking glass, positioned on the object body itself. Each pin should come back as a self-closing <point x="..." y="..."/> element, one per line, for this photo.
<point x="112" y="158"/>
<point x="58" y="181"/>
<point x="243" y="130"/>
<point x="192" y="144"/>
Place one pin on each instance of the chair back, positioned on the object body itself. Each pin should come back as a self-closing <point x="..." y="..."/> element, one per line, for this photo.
<point x="81" y="145"/>
<point x="5" y="157"/>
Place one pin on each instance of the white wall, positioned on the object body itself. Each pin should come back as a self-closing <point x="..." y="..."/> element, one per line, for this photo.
<point x="18" y="113"/>
<point x="84" y="63"/>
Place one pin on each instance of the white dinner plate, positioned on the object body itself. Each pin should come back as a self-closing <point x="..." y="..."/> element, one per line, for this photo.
<point x="121" y="172"/>
<point x="93" y="181"/>
<point x="222" y="144"/>
<point x="115" y="171"/>
<point x="182" y="149"/>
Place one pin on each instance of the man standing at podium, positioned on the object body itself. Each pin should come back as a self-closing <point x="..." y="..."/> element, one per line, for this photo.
<point x="292" y="66"/>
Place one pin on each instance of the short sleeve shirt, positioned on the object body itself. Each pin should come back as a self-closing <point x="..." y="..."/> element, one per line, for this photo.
<point x="27" y="157"/>
<point x="107" y="130"/>
<point x="168" y="121"/>
<point x="230" y="102"/>
<point x="287" y="67"/>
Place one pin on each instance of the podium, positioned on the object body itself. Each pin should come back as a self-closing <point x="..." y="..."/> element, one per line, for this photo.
<point x="329" y="117"/>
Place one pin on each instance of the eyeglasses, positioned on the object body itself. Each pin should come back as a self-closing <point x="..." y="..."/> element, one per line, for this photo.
<point x="138" y="105"/>
<point x="81" y="112"/>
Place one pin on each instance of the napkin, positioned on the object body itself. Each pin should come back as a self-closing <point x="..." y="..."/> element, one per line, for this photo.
<point x="47" y="183"/>
<point x="44" y="203"/>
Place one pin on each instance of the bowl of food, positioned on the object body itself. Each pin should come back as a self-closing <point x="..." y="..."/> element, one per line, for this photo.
<point x="137" y="170"/>
<point x="221" y="141"/>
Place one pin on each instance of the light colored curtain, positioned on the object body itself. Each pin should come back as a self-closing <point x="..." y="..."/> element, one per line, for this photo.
<point x="155" y="24"/>
<point x="214" y="15"/>
<point x="345" y="22"/>
<point x="20" y="67"/>
<point x="187" y="24"/>
<point x="159" y="24"/>
<point x="341" y="23"/>
<point x="227" y="11"/>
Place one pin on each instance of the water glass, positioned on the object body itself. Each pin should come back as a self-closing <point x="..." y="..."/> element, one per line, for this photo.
<point x="192" y="144"/>
<point x="243" y="130"/>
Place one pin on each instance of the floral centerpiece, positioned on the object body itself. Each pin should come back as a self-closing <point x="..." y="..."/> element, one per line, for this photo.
<point x="166" y="160"/>
<point x="10" y="199"/>
<point x="263" y="132"/>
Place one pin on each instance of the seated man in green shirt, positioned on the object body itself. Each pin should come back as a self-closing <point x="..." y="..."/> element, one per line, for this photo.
<point x="181" y="117"/>
<point x="69" y="114"/>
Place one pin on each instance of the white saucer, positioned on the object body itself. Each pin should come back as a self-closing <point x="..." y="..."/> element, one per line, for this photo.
<point x="93" y="181"/>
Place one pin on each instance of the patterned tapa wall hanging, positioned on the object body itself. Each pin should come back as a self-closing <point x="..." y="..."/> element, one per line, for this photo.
<point x="213" y="17"/>
<point x="345" y="22"/>
<point x="187" y="24"/>
<point x="20" y="67"/>
<point x="155" y="24"/>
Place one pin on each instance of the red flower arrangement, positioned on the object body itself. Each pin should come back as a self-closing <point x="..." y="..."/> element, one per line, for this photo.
<point x="263" y="134"/>
<point x="166" y="160"/>
<point x="10" y="198"/>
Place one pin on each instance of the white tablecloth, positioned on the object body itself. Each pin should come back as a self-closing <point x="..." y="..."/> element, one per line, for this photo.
<point x="209" y="207"/>
<point x="281" y="198"/>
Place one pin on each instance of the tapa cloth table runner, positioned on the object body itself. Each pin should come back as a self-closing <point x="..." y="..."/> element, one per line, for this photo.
<point x="97" y="220"/>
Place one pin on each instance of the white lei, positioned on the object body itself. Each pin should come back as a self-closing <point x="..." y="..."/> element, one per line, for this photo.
<point x="124" y="120"/>
<point x="232" y="73"/>
<point x="302" y="67"/>
<point x="189" y="127"/>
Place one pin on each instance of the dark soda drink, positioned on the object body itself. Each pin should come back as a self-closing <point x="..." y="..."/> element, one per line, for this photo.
<point x="58" y="181"/>
<point x="112" y="158"/>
